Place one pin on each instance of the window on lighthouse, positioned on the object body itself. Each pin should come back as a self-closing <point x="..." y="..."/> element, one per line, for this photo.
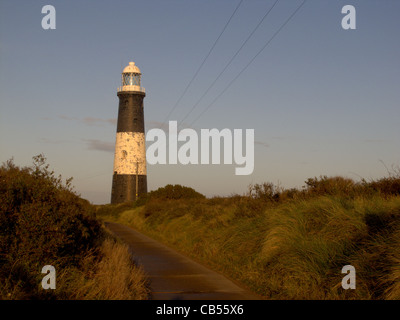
<point x="131" y="79"/>
<point x="124" y="154"/>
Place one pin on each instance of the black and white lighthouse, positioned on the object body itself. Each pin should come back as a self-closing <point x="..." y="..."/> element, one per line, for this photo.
<point x="129" y="178"/>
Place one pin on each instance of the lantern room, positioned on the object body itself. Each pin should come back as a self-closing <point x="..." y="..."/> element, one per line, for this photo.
<point x="131" y="79"/>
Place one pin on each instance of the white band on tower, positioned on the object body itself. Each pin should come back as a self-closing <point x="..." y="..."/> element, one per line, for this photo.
<point x="130" y="153"/>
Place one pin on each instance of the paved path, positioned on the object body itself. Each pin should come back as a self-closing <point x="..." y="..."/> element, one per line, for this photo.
<point x="174" y="276"/>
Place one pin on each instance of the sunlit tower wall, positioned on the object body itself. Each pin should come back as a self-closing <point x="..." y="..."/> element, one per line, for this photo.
<point x="130" y="178"/>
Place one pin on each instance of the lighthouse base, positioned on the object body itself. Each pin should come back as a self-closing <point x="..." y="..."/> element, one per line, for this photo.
<point x="124" y="187"/>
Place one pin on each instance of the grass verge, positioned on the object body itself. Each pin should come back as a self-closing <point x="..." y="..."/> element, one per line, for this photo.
<point x="293" y="249"/>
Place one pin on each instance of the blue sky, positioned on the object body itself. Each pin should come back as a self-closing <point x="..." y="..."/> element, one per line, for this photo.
<point x="322" y="100"/>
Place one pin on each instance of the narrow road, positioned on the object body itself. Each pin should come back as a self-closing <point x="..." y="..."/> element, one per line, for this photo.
<point x="174" y="276"/>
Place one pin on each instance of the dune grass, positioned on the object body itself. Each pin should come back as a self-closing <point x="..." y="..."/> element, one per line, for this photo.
<point x="113" y="276"/>
<point x="291" y="249"/>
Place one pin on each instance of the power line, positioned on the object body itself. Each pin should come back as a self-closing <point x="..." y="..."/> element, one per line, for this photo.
<point x="204" y="60"/>
<point x="230" y="61"/>
<point x="250" y="62"/>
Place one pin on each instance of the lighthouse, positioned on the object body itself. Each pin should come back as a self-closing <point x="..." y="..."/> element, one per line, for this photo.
<point x="129" y="177"/>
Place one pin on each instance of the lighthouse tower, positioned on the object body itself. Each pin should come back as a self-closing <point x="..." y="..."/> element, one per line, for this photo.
<point x="129" y="178"/>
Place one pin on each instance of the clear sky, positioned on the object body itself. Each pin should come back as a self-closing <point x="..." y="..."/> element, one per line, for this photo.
<point x="322" y="100"/>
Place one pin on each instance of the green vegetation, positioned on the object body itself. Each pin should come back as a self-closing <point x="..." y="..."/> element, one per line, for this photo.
<point x="285" y="244"/>
<point x="282" y="244"/>
<point x="174" y="192"/>
<point x="43" y="222"/>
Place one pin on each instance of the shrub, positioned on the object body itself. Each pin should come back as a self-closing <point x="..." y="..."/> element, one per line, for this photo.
<point x="174" y="192"/>
<point x="330" y="186"/>
<point x="387" y="186"/>
<point x="42" y="221"/>
<point x="266" y="191"/>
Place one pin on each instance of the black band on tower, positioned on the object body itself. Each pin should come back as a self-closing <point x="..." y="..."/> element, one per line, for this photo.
<point x="130" y="112"/>
<point x="124" y="187"/>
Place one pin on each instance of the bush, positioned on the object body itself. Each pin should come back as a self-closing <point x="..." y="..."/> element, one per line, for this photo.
<point x="330" y="186"/>
<point x="266" y="191"/>
<point x="174" y="192"/>
<point x="386" y="186"/>
<point x="42" y="222"/>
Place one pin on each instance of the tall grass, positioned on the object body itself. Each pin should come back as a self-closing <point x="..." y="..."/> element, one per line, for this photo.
<point x="113" y="276"/>
<point x="307" y="245"/>
<point x="287" y="245"/>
